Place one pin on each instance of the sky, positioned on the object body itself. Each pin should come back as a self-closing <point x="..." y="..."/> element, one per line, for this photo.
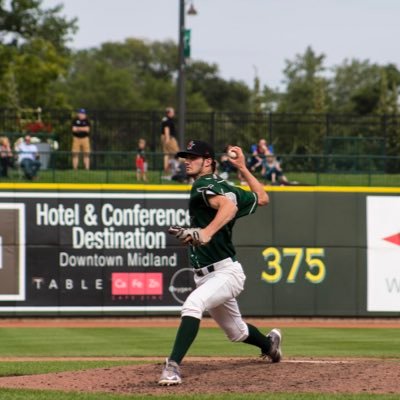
<point x="246" y="38"/>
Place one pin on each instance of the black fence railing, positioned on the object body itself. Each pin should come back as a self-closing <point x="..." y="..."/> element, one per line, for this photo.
<point x="289" y="133"/>
<point x="119" y="167"/>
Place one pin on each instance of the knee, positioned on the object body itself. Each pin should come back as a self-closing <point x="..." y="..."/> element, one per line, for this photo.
<point x="192" y="308"/>
<point x="239" y="334"/>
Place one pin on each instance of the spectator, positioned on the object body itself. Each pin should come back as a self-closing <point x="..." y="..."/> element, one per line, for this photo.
<point x="28" y="158"/>
<point x="141" y="163"/>
<point x="169" y="143"/>
<point x="226" y="167"/>
<point x="178" y="170"/>
<point x="6" y="156"/>
<point x="272" y="171"/>
<point x="80" y="139"/>
<point x="258" y="153"/>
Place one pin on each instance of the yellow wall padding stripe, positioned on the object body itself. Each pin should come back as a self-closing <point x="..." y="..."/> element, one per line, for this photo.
<point x="185" y="188"/>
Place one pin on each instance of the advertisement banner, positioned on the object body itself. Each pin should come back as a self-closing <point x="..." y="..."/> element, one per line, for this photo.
<point x="383" y="228"/>
<point x="92" y="252"/>
<point x="310" y="252"/>
<point x="12" y="251"/>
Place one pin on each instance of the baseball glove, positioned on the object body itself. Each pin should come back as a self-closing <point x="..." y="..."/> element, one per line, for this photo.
<point x="193" y="236"/>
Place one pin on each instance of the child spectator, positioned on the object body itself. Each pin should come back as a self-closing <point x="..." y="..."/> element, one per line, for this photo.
<point x="272" y="171"/>
<point x="141" y="163"/>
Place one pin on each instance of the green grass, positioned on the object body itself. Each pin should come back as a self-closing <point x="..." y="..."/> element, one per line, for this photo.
<point x="329" y="179"/>
<point x="155" y="177"/>
<point x="18" y="368"/>
<point x="59" y="342"/>
<point x="86" y="342"/>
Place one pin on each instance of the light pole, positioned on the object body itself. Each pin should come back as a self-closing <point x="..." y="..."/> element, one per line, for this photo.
<point x="181" y="72"/>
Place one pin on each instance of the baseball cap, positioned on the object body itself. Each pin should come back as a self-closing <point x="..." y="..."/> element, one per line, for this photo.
<point x="197" y="148"/>
<point x="81" y="111"/>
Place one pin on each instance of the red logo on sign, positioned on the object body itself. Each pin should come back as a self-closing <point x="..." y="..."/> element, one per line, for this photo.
<point x="137" y="283"/>
<point x="395" y="239"/>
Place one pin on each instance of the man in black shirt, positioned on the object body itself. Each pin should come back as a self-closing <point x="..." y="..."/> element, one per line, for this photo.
<point x="80" y="139"/>
<point x="168" y="140"/>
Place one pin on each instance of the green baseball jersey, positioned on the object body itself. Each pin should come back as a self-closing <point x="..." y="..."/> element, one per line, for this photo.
<point x="201" y="214"/>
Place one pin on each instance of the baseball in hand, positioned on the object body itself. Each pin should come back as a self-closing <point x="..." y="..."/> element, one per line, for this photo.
<point x="232" y="154"/>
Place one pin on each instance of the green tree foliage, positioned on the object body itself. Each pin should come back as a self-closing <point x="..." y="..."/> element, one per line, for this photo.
<point x="304" y="83"/>
<point x="219" y="94"/>
<point x="258" y="126"/>
<point x="135" y="74"/>
<point x="355" y="87"/>
<point x="362" y="88"/>
<point x="306" y="93"/>
<point x="141" y="75"/>
<point x="34" y="53"/>
<point x="22" y="20"/>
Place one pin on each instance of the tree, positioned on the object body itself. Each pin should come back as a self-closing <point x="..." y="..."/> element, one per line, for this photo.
<point x="355" y="88"/>
<point x="141" y="75"/>
<point x="301" y="75"/>
<point x="34" y="41"/>
<point x="362" y="88"/>
<point x="258" y="126"/>
<point x="306" y="94"/>
<point x="219" y="94"/>
<point x="135" y="74"/>
<point x="23" y="20"/>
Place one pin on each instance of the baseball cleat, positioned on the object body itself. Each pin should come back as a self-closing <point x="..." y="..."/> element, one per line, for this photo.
<point x="275" y="352"/>
<point x="171" y="374"/>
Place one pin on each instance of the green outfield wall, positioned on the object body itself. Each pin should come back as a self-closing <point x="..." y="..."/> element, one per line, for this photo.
<point x="73" y="249"/>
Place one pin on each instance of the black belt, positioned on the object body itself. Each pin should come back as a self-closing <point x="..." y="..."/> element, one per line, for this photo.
<point x="209" y="268"/>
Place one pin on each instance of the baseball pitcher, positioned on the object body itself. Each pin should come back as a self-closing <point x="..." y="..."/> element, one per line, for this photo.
<point x="214" y="207"/>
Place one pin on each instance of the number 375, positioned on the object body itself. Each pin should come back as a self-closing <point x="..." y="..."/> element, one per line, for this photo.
<point x="315" y="266"/>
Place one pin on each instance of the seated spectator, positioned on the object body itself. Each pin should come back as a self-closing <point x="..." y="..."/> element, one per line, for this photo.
<point x="225" y="166"/>
<point x="6" y="156"/>
<point x="178" y="170"/>
<point x="258" y="153"/>
<point x="272" y="171"/>
<point x="28" y="158"/>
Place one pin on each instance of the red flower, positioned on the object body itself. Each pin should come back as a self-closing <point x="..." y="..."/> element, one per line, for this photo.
<point x="38" y="126"/>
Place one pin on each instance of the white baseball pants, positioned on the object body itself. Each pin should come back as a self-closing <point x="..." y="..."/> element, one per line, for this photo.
<point x="216" y="292"/>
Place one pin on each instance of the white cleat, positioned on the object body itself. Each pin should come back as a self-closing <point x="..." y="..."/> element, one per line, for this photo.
<point x="171" y="374"/>
<point x="275" y="352"/>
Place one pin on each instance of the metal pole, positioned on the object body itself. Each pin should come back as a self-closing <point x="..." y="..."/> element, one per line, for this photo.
<point x="181" y="77"/>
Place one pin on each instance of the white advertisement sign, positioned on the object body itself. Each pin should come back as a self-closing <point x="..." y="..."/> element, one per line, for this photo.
<point x="383" y="253"/>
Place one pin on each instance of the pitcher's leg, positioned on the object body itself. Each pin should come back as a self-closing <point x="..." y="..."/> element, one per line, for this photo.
<point x="210" y="294"/>
<point x="229" y="318"/>
<point x="213" y="290"/>
<point x="185" y="336"/>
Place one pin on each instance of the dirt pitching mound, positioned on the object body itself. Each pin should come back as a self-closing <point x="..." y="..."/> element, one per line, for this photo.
<point x="231" y="375"/>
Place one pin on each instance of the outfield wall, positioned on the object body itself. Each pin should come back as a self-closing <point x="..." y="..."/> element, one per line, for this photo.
<point x="103" y="249"/>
